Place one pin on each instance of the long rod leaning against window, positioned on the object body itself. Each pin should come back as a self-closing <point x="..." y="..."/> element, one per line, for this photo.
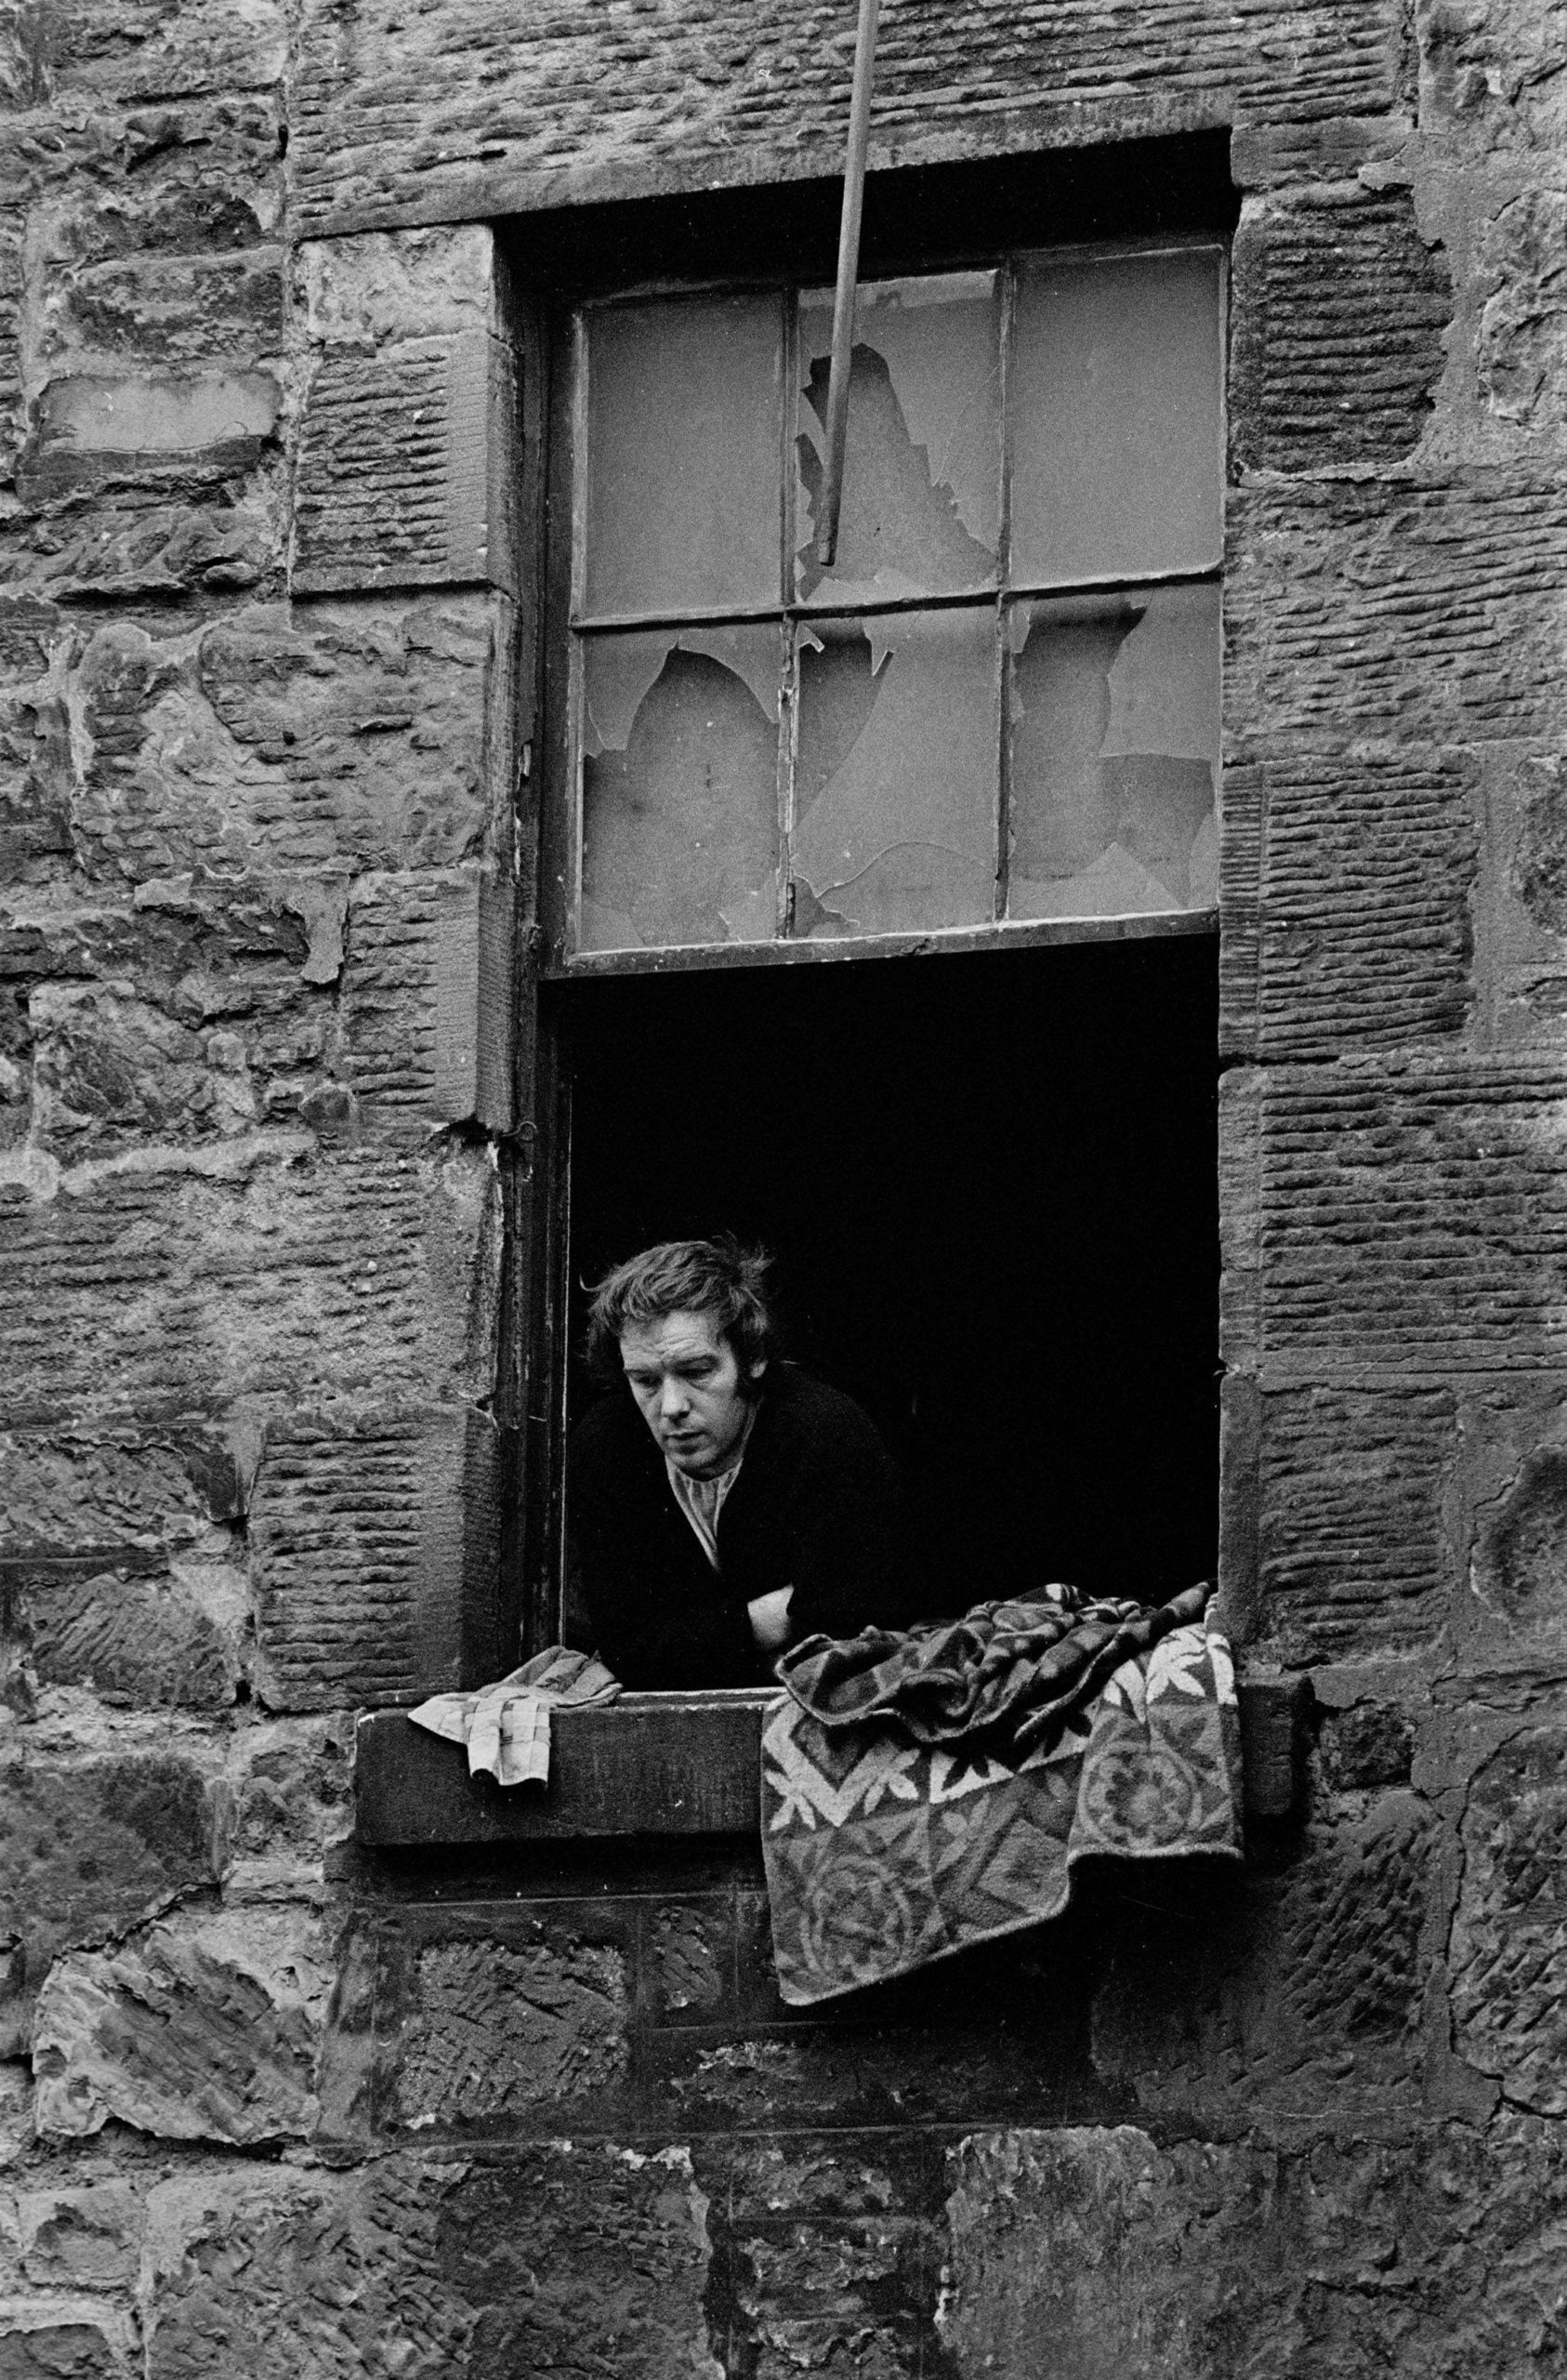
<point x="849" y="267"/>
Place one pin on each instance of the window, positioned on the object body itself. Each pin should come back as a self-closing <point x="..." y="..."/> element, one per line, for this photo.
<point x="1001" y="702"/>
<point x="981" y="749"/>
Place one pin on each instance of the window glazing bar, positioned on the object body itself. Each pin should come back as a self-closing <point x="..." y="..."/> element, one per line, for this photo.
<point x="821" y="607"/>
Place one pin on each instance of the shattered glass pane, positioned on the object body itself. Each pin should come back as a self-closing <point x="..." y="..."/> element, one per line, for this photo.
<point x="684" y="425"/>
<point x="895" y="775"/>
<point x="922" y="468"/>
<point x="679" y="786"/>
<point x="1114" y="393"/>
<point x="1114" y="728"/>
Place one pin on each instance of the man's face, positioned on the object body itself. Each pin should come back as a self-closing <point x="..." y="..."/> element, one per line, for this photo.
<point x="689" y="1389"/>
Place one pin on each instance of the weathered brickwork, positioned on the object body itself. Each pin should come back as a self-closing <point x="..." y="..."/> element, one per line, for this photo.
<point x="272" y="392"/>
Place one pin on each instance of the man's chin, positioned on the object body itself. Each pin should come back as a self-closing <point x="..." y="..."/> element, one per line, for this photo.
<point x="693" y="1460"/>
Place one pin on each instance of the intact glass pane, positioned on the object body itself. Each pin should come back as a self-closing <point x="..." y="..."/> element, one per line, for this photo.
<point x="895" y="775"/>
<point x="922" y="466"/>
<point x="1114" y="398"/>
<point x="1115" y="729"/>
<point x="684" y="470"/>
<point x="679" y="786"/>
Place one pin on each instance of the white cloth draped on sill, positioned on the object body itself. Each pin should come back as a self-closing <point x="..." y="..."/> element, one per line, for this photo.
<point x="506" y="1726"/>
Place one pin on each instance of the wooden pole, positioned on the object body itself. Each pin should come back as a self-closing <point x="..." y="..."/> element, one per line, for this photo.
<point x="848" y="267"/>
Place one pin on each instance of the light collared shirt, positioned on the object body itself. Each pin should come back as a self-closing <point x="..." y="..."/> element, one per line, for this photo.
<point x="703" y="1500"/>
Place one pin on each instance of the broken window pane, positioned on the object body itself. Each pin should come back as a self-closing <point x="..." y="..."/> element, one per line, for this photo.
<point x="1113" y="395"/>
<point x="684" y="447"/>
<point x="895" y="776"/>
<point x="679" y="786"/>
<point x="922" y="468"/>
<point x="1114" y="704"/>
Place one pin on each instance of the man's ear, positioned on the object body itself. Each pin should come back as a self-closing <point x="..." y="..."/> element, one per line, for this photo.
<point x="753" y="1376"/>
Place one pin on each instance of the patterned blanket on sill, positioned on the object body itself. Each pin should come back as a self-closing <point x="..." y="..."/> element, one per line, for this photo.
<point x="925" y="1790"/>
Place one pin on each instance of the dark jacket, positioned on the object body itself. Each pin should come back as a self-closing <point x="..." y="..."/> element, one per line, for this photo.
<point x="817" y="1507"/>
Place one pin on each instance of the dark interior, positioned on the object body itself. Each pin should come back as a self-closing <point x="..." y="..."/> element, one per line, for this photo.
<point x="916" y="217"/>
<point x="989" y="1186"/>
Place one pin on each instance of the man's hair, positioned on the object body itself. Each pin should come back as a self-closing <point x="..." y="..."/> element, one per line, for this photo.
<point x="719" y="1277"/>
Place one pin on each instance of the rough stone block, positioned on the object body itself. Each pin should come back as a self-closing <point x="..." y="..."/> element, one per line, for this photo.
<point x="1299" y="1992"/>
<point x="375" y="1544"/>
<point x="1434" y="618"/>
<point x="35" y="784"/>
<point x="1365" y="1745"/>
<point x="265" y="1267"/>
<point x="1089" y="2252"/>
<point x="179" y="311"/>
<point x="409" y="462"/>
<point x="606" y="2269"/>
<point x="1511" y="1524"/>
<point x="204" y="2029"/>
<point x="841" y="2296"/>
<point x="1520" y="347"/>
<point x="408" y="468"/>
<point x="395" y="117"/>
<point x="287" y="746"/>
<point x="81" y="2238"/>
<point x="1509" y="1952"/>
<point x="832" y="2174"/>
<point x="123" y="1485"/>
<point x="1409" y="1213"/>
<point x="385" y="287"/>
<point x="1351" y="1555"/>
<point x="59" y="2337"/>
<point x="278" y="2273"/>
<point x="564" y="2259"/>
<point x="496" y="2030"/>
<point x="427" y="998"/>
<point x="1006" y="2042"/>
<point x="1494" y="77"/>
<point x="89" y="425"/>
<point x="1351" y="877"/>
<point x="1520" y="910"/>
<point x="136" y="49"/>
<point x="231" y="984"/>
<point x="109" y="1070"/>
<point x="87" y="1849"/>
<point x="192" y="533"/>
<point x="1339" y="309"/>
<point x="289" y="1785"/>
<point x="690" y="1958"/>
<point x="198" y="175"/>
<point x="152" y="1641"/>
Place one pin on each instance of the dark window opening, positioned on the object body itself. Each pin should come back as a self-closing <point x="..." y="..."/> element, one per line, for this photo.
<point x="916" y="217"/>
<point x="990" y="1184"/>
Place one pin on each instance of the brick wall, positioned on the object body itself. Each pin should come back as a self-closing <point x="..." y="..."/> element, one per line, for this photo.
<point x="266" y="609"/>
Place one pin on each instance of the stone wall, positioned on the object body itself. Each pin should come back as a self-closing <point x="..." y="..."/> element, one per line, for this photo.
<point x="268" y="430"/>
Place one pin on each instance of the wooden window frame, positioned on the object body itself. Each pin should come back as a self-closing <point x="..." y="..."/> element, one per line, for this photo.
<point x="537" y="1299"/>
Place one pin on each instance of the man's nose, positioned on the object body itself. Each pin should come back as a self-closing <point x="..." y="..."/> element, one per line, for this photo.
<point x="673" y="1400"/>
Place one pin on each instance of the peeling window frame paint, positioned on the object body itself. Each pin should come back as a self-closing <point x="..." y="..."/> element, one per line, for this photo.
<point x="793" y="613"/>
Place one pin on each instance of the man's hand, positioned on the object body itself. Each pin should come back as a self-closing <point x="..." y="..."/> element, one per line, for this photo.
<point x="769" y="1620"/>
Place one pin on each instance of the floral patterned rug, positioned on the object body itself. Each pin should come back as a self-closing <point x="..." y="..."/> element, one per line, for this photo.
<point x="885" y="1852"/>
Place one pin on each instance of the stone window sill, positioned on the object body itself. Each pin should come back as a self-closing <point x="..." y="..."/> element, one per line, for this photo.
<point x="662" y="1764"/>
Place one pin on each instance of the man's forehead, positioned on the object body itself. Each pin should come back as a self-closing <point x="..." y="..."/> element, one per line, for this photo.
<point x="675" y="1338"/>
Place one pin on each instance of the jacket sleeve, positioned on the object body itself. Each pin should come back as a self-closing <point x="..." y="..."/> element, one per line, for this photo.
<point x="671" y="1639"/>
